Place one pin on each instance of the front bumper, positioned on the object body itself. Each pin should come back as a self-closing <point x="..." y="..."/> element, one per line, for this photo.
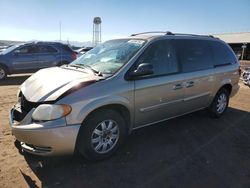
<point x="45" y="138"/>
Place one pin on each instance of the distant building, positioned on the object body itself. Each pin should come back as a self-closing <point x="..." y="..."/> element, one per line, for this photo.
<point x="239" y="42"/>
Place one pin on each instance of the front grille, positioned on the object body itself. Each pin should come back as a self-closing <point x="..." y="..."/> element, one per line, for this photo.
<point x="27" y="105"/>
<point x="22" y="109"/>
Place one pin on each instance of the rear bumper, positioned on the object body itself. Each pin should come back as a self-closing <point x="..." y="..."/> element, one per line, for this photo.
<point x="47" y="138"/>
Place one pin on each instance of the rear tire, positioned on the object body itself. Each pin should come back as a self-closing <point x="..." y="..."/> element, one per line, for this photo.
<point x="219" y="104"/>
<point x="3" y="72"/>
<point x="101" y="135"/>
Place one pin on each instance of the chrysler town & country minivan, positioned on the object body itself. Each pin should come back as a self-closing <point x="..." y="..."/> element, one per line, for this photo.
<point x="92" y="104"/>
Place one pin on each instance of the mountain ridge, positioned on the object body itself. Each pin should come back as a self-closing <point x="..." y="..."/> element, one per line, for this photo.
<point x="72" y="43"/>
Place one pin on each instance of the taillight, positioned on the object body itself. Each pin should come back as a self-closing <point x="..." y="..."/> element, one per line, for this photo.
<point x="74" y="56"/>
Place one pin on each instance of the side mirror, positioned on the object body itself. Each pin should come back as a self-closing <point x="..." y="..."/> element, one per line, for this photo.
<point x="16" y="52"/>
<point x="142" y="70"/>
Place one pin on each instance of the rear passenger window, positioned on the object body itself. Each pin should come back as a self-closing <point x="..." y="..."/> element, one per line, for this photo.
<point x="222" y="54"/>
<point x="46" y="49"/>
<point x="162" y="56"/>
<point x="194" y="55"/>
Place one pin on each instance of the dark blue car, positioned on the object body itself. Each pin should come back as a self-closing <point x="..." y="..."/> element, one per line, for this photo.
<point x="30" y="57"/>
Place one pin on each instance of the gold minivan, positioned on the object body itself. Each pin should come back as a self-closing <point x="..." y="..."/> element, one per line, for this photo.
<point x="92" y="104"/>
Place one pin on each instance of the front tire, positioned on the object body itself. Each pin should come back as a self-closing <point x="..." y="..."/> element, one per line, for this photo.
<point x="219" y="104"/>
<point x="101" y="135"/>
<point x="3" y="72"/>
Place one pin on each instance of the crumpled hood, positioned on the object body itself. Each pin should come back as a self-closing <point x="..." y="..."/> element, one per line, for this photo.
<point x="49" y="84"/>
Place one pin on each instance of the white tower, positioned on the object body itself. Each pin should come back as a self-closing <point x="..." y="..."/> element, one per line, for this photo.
<point x="97" y="31"/>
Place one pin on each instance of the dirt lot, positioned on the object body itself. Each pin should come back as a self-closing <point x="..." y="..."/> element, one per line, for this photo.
<point x="191" y="151"/>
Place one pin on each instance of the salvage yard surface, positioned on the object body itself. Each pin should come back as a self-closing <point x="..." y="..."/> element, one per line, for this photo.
<point x="190" y="151"/>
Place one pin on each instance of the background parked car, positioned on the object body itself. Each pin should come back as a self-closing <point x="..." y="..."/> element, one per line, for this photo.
<point x="82" y="51"/>
<point x="2" y="48"/>
<point x="31" y="57"/>
<point x="246" y="76"/>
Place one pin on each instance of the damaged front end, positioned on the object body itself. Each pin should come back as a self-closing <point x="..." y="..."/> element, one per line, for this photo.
<point x="37" y="120"/>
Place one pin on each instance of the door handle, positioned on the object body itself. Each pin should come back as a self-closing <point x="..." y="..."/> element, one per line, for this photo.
<point x="178" y="86"/>
<point x="190" y="84"/>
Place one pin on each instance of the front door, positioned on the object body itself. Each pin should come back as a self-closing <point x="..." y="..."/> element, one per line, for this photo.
<point x="158" y="96"/>
<point x="25" y="59"/>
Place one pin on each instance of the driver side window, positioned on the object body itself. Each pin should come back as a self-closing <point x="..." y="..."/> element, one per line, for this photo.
<point x="29" y="49"/>
<point x="161" y="55"/>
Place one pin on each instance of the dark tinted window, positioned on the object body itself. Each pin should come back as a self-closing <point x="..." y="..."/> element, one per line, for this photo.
<point x="161" y="55"/>
<point x="28" y="49"/>
<point x="46" y="49"/>
<point x="222" y="54"/>
<point x="194" y="55"/>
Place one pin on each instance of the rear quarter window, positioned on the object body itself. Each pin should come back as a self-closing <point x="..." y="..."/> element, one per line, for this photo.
<point x="222" y="54"/>
<point x="66" y="48"/>
<point x="46" y="49"/>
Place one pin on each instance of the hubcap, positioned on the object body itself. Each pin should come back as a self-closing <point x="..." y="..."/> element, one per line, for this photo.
<point x="222" y="103"/>
<point x="105" y="136"/>
<point x="2" y="73"/>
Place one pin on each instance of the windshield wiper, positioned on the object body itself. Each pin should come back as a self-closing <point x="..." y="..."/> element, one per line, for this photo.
<point x="88" y="67"/>
<point x="76" y="65"/>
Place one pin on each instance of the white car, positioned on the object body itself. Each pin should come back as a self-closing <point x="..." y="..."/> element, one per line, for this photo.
<point x="246" y="76"/>
<point x="82" y="51"/>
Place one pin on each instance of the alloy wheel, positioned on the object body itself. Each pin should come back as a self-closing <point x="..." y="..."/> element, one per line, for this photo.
<point x="2" y="73"/>
<point x="105" y="136"/>
<point x="221" y="103"/>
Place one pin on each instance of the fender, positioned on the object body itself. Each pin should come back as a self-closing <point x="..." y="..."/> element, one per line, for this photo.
<point x="98" y="103"/>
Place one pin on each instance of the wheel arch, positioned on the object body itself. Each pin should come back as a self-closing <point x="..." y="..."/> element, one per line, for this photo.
<point x="228" y="87"/>
<point x="3" y="65"/>
<point x="121" y="109"/>
<point x="213" y="105"/>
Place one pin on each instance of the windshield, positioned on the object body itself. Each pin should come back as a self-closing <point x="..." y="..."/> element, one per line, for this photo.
<point x="9" y="49"/>
<point x="110" y="56"/>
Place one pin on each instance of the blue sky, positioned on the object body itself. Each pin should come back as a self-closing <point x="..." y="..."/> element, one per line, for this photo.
<point x="39" y="19"/>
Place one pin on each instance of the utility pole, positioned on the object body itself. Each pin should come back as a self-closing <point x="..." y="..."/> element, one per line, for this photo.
<point x="244" y="46"/>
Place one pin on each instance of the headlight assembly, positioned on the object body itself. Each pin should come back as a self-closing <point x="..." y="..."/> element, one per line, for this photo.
<point x="46" y="112"/>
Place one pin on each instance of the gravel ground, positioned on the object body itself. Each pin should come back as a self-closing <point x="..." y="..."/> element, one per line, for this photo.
<point x="190" y="151"/>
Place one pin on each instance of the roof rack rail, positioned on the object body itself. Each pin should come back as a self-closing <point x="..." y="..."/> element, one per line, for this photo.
<point x="163" y="32"/>
<point x="170" y="33"/>
<point x="195" y="35"/>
